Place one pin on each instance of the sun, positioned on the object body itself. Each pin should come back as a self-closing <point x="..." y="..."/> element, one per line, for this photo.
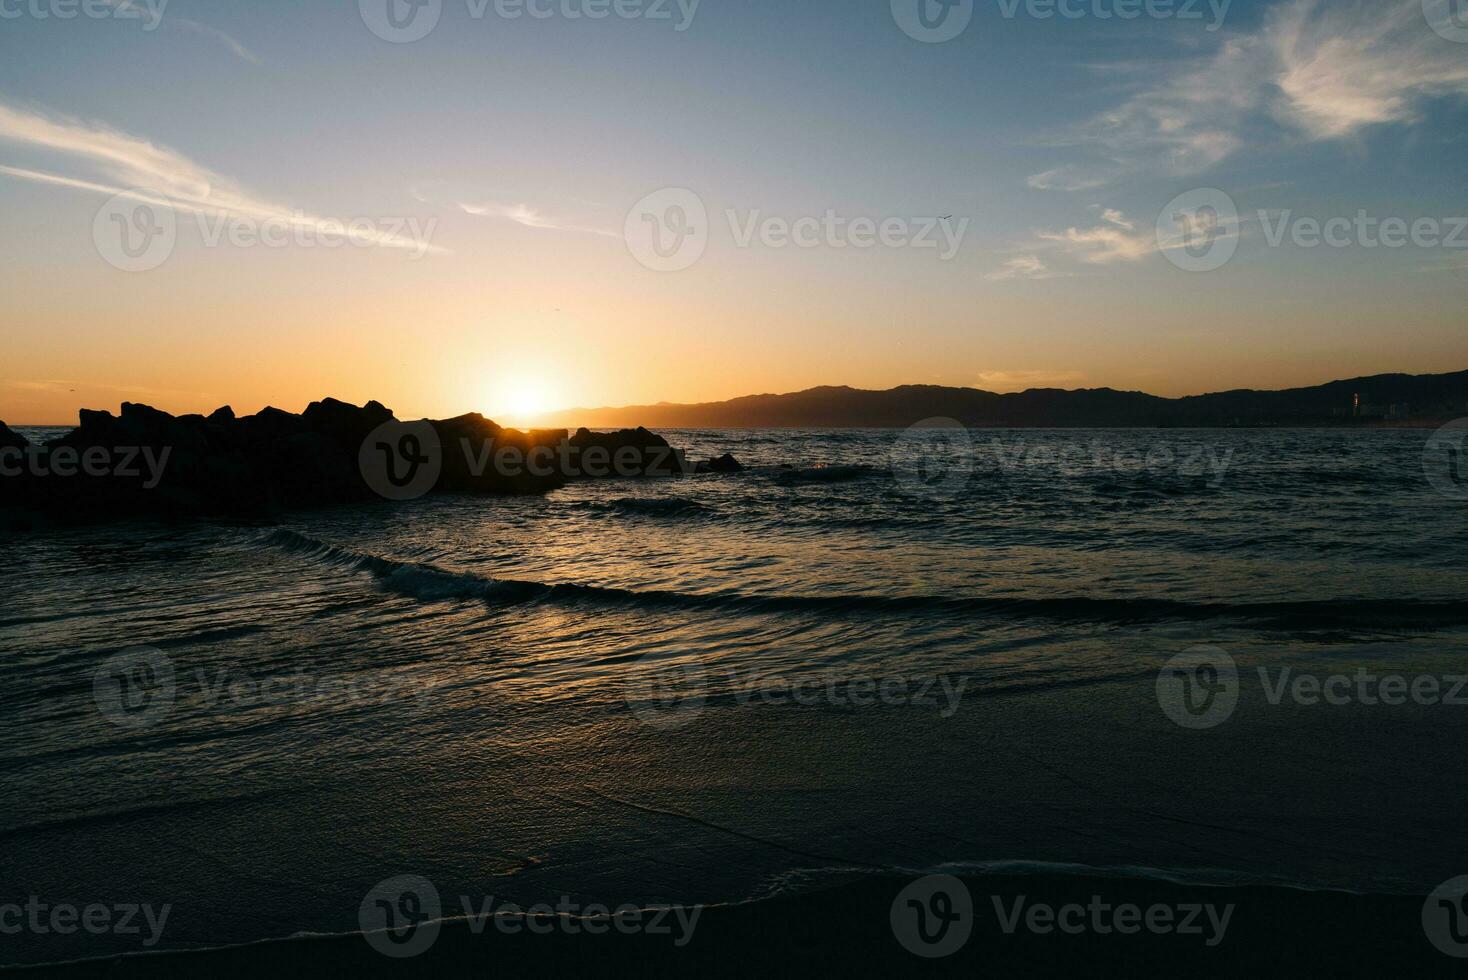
<point x="521" y="399"/>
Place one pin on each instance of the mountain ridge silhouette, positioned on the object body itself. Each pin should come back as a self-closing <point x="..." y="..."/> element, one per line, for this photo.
<point x="1383" y="398"/>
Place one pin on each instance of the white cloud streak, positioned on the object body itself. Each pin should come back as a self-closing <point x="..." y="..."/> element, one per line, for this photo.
<point x="157" y="18"/>
<point x="156" y="175"/>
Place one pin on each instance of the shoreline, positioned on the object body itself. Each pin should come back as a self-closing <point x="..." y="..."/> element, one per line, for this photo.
<point x="849" y="927"/>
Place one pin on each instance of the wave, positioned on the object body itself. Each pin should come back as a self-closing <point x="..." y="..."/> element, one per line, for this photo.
<point x="826" y="474"/>
<point x="650" y="507"/>
<point x="431" y="583"/>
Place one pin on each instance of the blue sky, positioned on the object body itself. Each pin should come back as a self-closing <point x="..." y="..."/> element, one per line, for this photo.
<point x="1058" y="141"/>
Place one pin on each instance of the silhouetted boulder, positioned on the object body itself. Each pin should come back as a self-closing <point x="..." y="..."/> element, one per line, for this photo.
<point x="627" y="452"/>
<point x="10" y="439"/>
<point x="722" y="464"/>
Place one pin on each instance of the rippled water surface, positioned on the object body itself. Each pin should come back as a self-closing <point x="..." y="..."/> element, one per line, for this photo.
<point x="868" y="650"/>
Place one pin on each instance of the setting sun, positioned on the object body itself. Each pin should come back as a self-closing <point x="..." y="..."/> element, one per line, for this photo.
<point x="520" y="399"/>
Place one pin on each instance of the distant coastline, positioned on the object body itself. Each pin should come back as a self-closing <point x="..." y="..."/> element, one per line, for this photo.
<point x="1387" y="400"/>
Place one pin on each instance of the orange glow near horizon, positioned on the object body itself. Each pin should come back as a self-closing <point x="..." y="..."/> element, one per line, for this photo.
<point x="522" y="399"/>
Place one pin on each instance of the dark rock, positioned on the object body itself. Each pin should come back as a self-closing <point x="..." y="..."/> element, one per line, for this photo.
<point x="482" y="457"/>
<point x="628" y="452"/>
<point x="723" y="464"/>
<point x="144" y="462"/>
<point x="10" y="439"/>
<point x="343" y="423"/>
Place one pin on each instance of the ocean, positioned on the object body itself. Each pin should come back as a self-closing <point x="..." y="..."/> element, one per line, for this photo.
<point x="870" y="652"/>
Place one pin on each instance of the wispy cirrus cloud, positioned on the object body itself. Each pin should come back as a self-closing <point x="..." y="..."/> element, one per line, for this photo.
<point x="529" y="217"/>
<point x="477" y="204"/>
<point x="1313" y="71"/>
<point x="155" y="13"/>
<point x="1024" y="267"/>
<point x="1071" y="178"/>
<point x="118" y="163"/>
<point x="1117" y="239"/>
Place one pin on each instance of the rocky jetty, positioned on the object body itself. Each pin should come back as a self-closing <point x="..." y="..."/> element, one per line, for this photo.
<point x="144" y="462"/>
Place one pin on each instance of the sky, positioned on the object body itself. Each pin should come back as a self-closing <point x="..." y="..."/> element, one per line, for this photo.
<point x="555" y="203"/>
